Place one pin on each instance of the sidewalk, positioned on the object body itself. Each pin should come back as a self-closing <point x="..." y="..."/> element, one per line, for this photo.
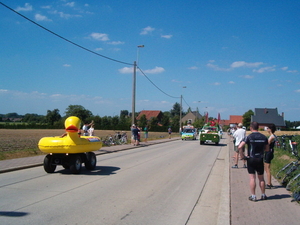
<point x="277" y="209"/>
<point x="27" y="162"/>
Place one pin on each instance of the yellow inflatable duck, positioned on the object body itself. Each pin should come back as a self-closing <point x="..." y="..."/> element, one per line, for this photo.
<point x="71" y="143"/>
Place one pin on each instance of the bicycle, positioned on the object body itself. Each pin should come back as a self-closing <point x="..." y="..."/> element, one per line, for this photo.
<point x="292" y="168"/>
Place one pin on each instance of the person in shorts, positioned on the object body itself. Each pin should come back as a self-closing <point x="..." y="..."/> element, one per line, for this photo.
<point x="257" y="144"/>
<point x="238" y="136"/>
<point x="270" y="154"/>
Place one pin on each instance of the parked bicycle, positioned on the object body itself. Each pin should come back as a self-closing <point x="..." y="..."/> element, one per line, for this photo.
<point x="292" y="168"/>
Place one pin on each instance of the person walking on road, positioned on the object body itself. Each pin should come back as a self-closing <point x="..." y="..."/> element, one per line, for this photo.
<point x="238" y="136"/>
<point x="270" y="154"/>
<point x="257" y="144"/>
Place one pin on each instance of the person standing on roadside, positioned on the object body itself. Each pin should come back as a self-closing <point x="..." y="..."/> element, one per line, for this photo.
<point x="146" y="130"/>
<point x="238" y="136"/>
<point x="135" y="132"/>
<point x="270" y="154"/>
<point x="257" y="144"/>
<point x="170" y="132"/>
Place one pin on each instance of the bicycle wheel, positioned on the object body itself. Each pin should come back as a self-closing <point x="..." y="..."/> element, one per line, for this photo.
<point x="281" y="173"/>
<point x="292" y="172"/>
<point x="296" y="194"/>
<point x="293" y="183"/>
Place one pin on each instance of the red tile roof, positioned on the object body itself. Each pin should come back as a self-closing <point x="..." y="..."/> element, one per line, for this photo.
<point x="149" y="114"/>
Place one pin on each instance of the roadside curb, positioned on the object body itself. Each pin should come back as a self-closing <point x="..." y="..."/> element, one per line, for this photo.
<point x="35" y="161"/>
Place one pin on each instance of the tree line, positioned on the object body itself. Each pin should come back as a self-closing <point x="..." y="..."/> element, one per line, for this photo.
<point x="54" y="120"/>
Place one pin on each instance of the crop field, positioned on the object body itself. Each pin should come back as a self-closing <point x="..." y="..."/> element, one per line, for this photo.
<point x="17" y="143"/>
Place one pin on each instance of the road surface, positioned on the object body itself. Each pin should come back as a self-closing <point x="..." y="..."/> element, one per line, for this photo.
<point x="170" y="183"/>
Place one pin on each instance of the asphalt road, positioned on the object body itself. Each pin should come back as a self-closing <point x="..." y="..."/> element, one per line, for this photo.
<point x="159" y="184"/>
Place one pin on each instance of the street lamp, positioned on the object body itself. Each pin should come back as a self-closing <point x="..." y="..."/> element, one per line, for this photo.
<point x="180" y="111"/>
<point x="134" y="84"/>
<point x="137" y="54"/>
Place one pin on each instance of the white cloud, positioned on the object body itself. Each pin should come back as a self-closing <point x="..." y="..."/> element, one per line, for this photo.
<point x="193" y="68"/>
<point x="298" y="91"/>
<point x="247" y="76"/>
<point x="216" y="83"/>
<point x="27" y="7"/>
<point x="67" y="65"/>
<point x="126" y="70"/>
<point x="150" y="71"/>
<point x="155" y="70"/>
<point x="216" y="67"/>
<point x="292" y="71"/>
<point x="99" y="36"/>
<point x="284" y="68"/>
<point x="64" y="15"/>
<point x="245" y="64"/>
<point x="98" y="49"/>
<point x="70" y="4"/>
<point x="167" y="36"/>
<point x="116" y="43"/>
<point x="39" y="17"/>
<point x="147" y="30"/>
<point x="265" y="69"/>
<point x="231" y="82"/>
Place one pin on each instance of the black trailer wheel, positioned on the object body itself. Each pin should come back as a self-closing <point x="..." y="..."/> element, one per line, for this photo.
<point x="48" y="166"/>
<point x="91" y="161"/>
<point x="75" y="164"/>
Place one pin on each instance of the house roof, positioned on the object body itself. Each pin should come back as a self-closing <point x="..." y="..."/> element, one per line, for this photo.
<point x="149" y="114"/>
<point x="191" y="115"/>
<point x="268" y="116"/>
<point x="235" y="119"/>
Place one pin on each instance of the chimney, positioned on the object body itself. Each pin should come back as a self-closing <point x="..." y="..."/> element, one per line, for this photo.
<point x="282" y="114"/>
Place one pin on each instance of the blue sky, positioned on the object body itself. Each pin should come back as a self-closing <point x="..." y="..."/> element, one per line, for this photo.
<point x="231" y="56"/>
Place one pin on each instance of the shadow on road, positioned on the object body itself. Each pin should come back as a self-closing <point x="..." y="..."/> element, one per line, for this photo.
<point x="13" y="214"/>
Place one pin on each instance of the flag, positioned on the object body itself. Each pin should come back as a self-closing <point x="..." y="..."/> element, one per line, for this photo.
<point x="219" y="118"/>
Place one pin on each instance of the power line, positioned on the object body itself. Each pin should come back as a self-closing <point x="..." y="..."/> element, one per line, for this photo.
<point x="65" y="38"/>
<point x="155" y="84"/>
<point x="186" y="103"/>
<point x="88" y="49"/>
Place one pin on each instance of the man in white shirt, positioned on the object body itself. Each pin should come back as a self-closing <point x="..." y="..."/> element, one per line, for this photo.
<point x="238" y="136"/>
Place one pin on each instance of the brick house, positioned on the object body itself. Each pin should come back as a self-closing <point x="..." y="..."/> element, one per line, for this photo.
<point x="150" y="114"/>
<point x="266" y="116"/>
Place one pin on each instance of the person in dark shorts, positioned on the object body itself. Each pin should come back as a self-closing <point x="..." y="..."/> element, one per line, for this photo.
<point x="270" y="154"/>
<point x="257" y="144"/>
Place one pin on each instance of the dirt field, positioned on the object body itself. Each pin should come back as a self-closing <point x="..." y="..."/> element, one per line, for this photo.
<point x="22" y="143"/>
<point x="19" y="143"/>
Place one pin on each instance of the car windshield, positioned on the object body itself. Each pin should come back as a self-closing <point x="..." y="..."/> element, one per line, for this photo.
<point x="188" y="131"/>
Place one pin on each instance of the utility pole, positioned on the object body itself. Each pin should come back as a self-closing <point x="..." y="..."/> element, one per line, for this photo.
<point x="133" y="93"/>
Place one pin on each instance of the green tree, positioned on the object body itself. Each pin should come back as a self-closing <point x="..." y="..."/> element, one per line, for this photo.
<point x="247" y="118"/>
<point x="175" y="123"/>
<point x="79" y="111"/>
<point x="153" y="123"/>
<point x="176" y="110"/>
<point x="115" y="122"/>
<point x="105" y="123"/>
<point x="53" y="116"/>
<point x="33" y="118"/>
<point x="124" y="113"/>
<point x="165" y="121"/>
<point x="143" y="121"/>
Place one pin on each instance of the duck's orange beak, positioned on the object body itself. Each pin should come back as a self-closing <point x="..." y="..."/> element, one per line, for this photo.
<point x="72" y="129"/>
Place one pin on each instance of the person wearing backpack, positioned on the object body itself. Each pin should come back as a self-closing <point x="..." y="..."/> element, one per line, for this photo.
<point x="270" y="154"/>
<point x="257" y="145"/>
